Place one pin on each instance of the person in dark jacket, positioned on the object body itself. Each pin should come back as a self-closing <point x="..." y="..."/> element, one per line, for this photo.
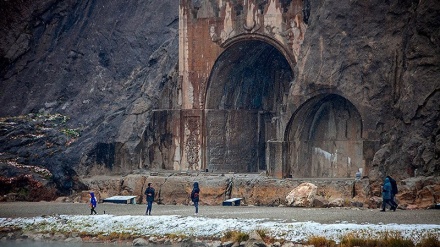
<point x="92" y="203"/>
<point x="149" y="192"/>
<point x="195" y="196"/>
<point x="386" y="196"/>
<point x="394" y="190"/>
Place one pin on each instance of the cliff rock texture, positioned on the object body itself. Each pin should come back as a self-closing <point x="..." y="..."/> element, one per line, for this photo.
<point x="101" y="64"/>
<point x="391" y="51"/>
<point x="80" y="80"/>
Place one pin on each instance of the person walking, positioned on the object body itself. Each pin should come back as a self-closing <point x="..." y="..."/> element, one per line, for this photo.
<point x="394" y="191"/>
<point x="195" y="196"/>
<point x="149" y="192"/>
<point x="92" y="203"/>
<point x="386" y="196"/>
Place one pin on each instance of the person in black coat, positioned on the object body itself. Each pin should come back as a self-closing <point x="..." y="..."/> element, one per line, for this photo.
<point x="149" y="192"/>
<point x="394" y="191"/>
<point x="195" y="196"/>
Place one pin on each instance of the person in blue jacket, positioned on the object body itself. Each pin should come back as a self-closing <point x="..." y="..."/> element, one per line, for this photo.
<point x="387" y="196"/>
<point x="195" y="196"/>
<point x="394" y="190"/>
<point x="149" y="192"/>
<point x="92" y="203"/>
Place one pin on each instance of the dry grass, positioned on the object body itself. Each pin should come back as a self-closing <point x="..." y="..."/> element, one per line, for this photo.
<point x="387" y="239"/>
<point x="429" y="241"/>
<point x="235" y="236"/>
<point x="321" y="242"/>
<point x="267" y="238"/>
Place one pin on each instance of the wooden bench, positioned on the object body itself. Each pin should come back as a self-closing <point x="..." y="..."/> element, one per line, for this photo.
<point x="232" y="201"/>
<point x="121" y="199"/>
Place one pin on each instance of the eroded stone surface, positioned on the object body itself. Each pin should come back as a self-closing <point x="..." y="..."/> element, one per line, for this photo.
<point x="302" y="196"/>
<point x="357" y="92"/>
<point x="174" y="189"/>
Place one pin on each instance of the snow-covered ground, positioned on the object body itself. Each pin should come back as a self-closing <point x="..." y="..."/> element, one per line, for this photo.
<point x="198" y="226"/>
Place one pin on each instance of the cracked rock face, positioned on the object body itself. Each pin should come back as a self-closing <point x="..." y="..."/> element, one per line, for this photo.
<point x="107" y="64"/>
<point x="102" y="64"/>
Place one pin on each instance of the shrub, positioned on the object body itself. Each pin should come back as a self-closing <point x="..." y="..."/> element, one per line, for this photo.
<point x="262" y="233"/>
<point x="175" y="236"/>
<point x="430" y="241"/>
<point x="387" y="239"/>
<point x="84" y="234"/>
<point x="396" y="240"/>
<point x="351" y="241"/>
<point x="72" y="133"/>
<point x="321" y="242"/>
<point x="235" y="236"/>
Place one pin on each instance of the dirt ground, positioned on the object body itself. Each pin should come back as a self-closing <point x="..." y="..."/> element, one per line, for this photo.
<point x="289" y="214"/>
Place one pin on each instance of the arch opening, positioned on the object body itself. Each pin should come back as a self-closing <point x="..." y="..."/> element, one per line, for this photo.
<point x="245" y="91"/>
<point x="325" y="139"/>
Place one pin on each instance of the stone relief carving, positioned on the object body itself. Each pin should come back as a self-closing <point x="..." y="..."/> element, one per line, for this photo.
<point x="252" y="22"/>
<point x="273" y="20"/>
<point x="213" y="34"/>
<point x="228" y="29"/>
<point x="294" y="35"/>
<point x="192" y="145"/>
<point x="271" y="23"/>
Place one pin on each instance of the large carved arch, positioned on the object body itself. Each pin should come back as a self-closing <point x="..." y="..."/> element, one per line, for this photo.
<point x="263" y="38"/>
<point x="244" y="93"/>
<point x="324" y="139"/>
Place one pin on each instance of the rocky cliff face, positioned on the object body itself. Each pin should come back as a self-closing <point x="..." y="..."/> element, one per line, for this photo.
<point x="105" y="65"/>
<point x="393" y="54"/>
<point x="388" y="54"/>
<point x="101" y="64"/>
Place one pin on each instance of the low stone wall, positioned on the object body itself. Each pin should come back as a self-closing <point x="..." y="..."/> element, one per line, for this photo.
<point x="260" y="190"/>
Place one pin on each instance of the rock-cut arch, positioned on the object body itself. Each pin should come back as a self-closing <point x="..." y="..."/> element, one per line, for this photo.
<point x="324" y="139"/>
<point x="244" y="92"/>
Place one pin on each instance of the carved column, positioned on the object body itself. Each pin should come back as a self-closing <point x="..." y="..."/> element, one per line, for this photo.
<point x="276" y="159"/>
<point x="191" y="137"/>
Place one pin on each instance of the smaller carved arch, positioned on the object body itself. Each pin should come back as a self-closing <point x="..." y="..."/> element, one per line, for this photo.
<point x="324" y="138"/>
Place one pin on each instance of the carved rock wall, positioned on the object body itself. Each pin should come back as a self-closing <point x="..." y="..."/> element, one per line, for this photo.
<point x="235" y="66"/>
<point x="106" y="65"/>
<point x="344" y="102"/>
<point x="386" y="64"/>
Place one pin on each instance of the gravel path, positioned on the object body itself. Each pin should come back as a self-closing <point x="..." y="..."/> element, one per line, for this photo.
<point x="320" y="215"/>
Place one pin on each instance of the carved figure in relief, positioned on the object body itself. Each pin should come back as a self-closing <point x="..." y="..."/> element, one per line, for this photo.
<point x="192" y="142"/>
<point x="213" y="34"/>
<point x="273" y="20"/>
<point x="343" y="117"/>
<point x="294" y="35"/>
<point x="252" y="22"/>
<point x="270" y="30"/>
<point x="228" y="30"/>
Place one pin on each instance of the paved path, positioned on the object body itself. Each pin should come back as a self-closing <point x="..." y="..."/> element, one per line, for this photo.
<point x="289" y="214"/>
